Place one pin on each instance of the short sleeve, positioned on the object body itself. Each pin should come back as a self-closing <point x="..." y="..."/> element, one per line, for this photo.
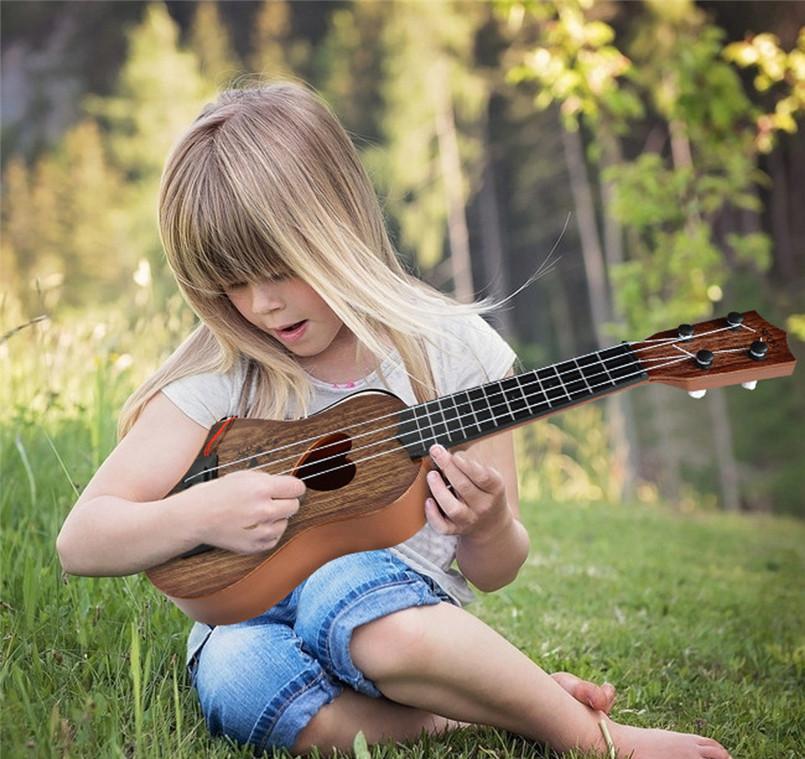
<point x="474" y="353"/>
<point x="205" y="398"/>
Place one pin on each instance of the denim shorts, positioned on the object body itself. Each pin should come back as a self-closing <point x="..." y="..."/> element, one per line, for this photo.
<point x="261" y="681"/>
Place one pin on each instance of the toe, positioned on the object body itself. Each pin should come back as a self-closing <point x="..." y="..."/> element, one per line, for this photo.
<point x="711" y="749"/>
<point x="609" y="696"/>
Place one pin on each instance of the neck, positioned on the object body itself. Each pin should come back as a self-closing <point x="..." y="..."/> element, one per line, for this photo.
<point x="487" y="409"/>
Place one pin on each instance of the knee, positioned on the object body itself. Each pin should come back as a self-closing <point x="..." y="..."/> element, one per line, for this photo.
<point x="390" y="645"/>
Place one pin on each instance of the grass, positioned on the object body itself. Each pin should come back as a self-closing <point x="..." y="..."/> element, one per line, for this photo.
<point x="697" y="617"/>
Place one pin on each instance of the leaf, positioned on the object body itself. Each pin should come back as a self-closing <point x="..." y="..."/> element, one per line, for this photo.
<point x="360" y="747"/>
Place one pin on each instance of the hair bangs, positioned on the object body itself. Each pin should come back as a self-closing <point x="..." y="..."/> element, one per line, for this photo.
<point x="232" y="246"/>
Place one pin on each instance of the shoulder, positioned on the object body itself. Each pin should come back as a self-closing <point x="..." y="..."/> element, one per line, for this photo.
<point x="471" y="352"/>
<point x="208" y="396"/>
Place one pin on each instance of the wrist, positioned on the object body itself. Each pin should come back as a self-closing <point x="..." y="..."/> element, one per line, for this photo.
<point x="493" y="535"/>
<point x="187" y="512"/>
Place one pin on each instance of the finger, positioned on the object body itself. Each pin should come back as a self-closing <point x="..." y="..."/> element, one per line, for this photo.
<point x="448" y="502"/>
<point x="284" y="508"/>
<point x="485" y="478"/>
<point x="287" y="486"/>
<point x="436" y="520"/>
<point x="459" y="479"/>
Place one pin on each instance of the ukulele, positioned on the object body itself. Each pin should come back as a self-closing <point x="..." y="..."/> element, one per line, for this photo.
<point x="364" y="459"/>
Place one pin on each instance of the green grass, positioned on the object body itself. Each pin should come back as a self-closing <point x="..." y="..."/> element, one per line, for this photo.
<point x="696" y="618"/>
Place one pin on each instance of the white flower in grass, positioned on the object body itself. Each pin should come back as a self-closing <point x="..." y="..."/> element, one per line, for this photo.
<point x="142" y="276"/>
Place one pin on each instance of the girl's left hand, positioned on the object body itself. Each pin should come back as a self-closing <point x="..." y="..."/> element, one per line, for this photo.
<point x="480" y="511"/>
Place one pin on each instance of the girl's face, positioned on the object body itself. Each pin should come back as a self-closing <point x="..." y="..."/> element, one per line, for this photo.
<point x="277" y="306"/>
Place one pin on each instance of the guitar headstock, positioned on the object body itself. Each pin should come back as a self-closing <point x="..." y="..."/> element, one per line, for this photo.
<point x="739" y="349"/>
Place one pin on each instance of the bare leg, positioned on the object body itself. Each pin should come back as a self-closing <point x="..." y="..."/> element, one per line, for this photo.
<point x="446" y="661"/>
<point x="337" y="724"/>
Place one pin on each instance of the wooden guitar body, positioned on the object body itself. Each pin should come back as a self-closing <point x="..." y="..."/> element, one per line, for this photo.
<point x="375" y="503"/>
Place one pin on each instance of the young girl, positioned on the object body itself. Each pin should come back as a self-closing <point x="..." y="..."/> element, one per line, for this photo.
<point x="275" y="236"/>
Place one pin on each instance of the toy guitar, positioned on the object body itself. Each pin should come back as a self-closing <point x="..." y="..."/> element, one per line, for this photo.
<point x="364" y="459"/>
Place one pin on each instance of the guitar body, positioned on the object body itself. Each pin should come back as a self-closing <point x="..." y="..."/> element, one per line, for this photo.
<point x="375" y="503"/>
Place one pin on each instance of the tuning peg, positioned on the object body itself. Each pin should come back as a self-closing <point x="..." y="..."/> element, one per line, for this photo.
<point x="751" y="385"/>
<point x="734" y="319"/>
<point x="697" y="393"/>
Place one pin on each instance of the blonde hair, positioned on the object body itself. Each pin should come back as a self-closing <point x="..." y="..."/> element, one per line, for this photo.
<point x="266" y="182"/>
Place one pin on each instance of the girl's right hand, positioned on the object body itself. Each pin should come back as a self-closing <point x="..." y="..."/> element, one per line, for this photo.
<point x="247" y="511"/>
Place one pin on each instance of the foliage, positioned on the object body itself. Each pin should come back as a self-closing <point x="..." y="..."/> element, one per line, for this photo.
<point x="429" y="44"/>
<point x="576" y="65"/>
<point x="776" y="70"/>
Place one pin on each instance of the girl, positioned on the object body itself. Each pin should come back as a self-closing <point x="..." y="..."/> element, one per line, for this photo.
<point x="275" y="236"/>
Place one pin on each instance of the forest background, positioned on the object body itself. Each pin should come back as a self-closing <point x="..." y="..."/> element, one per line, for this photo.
<point x="667" y="130"/>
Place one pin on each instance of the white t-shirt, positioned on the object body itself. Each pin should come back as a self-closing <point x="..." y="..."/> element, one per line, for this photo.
<point x="470" y="354"/>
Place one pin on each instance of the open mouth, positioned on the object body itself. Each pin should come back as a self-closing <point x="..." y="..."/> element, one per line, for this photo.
<point x="293" y="332"/>
<point x="292" y="328"/>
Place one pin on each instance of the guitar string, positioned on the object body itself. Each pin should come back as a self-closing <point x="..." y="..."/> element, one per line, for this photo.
<point x="426" y="416"/>
<point x="675" y="360"/>
<point x="428" y="413"/>
<point x="664" y="340"/>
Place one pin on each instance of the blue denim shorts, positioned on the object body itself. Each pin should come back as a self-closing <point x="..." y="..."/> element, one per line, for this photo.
<point x="261" y="681"/>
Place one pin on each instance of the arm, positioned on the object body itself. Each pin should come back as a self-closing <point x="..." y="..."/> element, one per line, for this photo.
<point x="493" y="544"/>
<point x="123" y="523"/>
<point x="492" y="560"/>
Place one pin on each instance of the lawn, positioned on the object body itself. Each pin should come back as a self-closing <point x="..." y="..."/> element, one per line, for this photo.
<point x="697" y="618"/>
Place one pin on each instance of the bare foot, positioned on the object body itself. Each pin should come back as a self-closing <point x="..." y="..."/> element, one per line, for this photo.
<point x="641" y="743"/>
<point x="599" y="697"/>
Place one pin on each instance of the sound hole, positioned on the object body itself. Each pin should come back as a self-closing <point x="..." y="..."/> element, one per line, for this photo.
<point x="325" y="466"/>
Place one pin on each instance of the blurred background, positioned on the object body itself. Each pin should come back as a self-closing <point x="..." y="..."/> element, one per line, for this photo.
<point x="670" y="132"/>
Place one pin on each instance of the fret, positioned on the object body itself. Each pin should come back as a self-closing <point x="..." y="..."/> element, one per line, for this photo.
<point x="523" y="393"/>
<point x="421" y="414"/>
<point x="439" y="428"/>
<point x="489" y="404"/>
<point x="518" y="406"/>
<point x="572" y="381"/>
<point x="472" y="410"/>
<point x="554" y="388"/>
<point x="450" y="416"/>
<point x="496" y="399"/>
<point x="481" y="409"/>
<point x="506" y="398"/>
<point x="542" y="389"/>
<point x="458" y="415"/>
<point x="599" y="378"/>
<point x="620" y="362"/>
<point x="590" y="390"/>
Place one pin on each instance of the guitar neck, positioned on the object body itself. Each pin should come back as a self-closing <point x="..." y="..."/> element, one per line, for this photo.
<point x="486" y="409"/>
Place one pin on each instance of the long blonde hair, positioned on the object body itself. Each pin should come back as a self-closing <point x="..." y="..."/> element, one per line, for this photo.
<point x="264" y="182"/>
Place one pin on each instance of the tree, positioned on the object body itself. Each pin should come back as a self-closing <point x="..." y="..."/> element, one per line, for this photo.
<point x="210" y="41"/>
<point x="160" y="91"/>
<point x="433" y="152"/>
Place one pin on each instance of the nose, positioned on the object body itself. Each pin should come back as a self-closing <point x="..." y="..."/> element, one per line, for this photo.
<point x="265" y="297"/>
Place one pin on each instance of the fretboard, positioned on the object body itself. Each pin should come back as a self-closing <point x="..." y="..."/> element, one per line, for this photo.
<point x="486" y="409"/>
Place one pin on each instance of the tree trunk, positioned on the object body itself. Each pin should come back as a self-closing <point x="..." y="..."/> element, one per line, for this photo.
<point x="458" y="234"/>
<point x="599" y="296"/>
<point x="729" y="485"/>
<point x="621" y="409"/>
<point x="669" y="459"/>
<point x="496" y="269"/>
<point x="722" y="437"/>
